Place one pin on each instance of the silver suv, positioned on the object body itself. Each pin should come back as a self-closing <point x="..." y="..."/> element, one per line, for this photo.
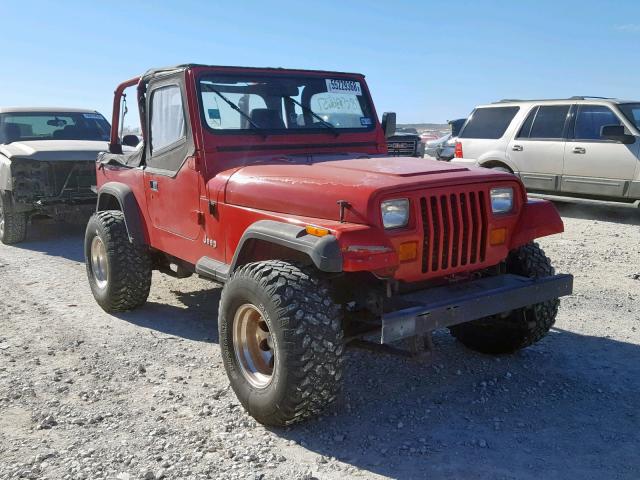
<point x="580" y="146"/>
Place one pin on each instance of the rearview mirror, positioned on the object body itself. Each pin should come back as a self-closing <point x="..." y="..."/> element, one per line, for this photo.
<point x="57" y="122"/>
<point x="389" y="124"/>
<point x="617" y="134"/>
<point x="130" y="140"/>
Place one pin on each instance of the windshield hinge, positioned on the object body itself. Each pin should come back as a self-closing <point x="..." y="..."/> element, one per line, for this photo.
<point x="343" y="205"/>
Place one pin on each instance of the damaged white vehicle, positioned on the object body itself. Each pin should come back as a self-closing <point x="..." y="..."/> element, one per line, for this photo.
<point x="47" y="165"/>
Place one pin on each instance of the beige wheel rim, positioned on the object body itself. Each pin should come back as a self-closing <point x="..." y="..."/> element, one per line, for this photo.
<point x="99" y="264"/>
<point x="253" y="346"/>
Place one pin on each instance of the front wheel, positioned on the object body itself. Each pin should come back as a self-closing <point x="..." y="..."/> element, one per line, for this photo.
<point x="119" y="271"/>
<point x="507" y="333"/>
<point x="281" y="341"/>
<point x="13" y="225"/>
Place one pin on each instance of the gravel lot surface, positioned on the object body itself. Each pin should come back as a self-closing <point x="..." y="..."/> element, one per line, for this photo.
<point x="143" y="395"/>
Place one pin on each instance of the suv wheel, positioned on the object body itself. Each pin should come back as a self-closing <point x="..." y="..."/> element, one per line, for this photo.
<point x="13" y="225"/>
<point x="281" y="341"/>
<point x="520" y="328"/>
<point x="119" y="272"/>
<point x="501" y="169"/>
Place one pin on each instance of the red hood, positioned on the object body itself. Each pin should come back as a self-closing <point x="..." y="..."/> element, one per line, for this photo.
<point x="312" y="189"/>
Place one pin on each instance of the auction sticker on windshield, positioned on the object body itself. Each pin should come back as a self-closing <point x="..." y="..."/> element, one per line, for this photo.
<point x="350" y="87"/>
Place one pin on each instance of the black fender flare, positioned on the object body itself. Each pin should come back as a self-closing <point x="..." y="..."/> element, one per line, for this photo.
<point x="129" y="207"/>
<point x="324" y="252"/>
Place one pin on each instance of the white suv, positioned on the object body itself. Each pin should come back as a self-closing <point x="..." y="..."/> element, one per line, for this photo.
<point x="581" y="146"/>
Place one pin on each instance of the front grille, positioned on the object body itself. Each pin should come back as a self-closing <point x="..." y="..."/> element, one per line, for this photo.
<point x="64" y="180"/>
<point x="403" y="148"/>
<point x="455" y="230"/>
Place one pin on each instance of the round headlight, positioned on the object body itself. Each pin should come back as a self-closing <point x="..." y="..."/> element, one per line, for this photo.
<point x="501" y="200"/>
<point x="395" y="213"/>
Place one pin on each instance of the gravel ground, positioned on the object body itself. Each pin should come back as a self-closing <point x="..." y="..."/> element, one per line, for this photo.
<point x="86" y="395"/>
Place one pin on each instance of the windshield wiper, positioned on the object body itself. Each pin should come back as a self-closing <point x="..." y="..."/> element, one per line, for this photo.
<point x="234" y="106"/>
<point x="316" y="116"/>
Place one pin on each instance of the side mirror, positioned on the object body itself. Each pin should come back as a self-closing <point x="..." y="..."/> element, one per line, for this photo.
<point x="617" y="134"/>
<point x="130" y="140"/>
<point x="389" y="124"/>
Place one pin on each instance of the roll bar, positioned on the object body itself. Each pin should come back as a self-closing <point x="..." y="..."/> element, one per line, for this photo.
<point x="114" y="143"/>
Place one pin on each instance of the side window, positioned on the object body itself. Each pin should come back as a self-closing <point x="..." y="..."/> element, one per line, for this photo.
<point x="549" y="122"/>
<point x="525" y="130"/>
<point x="490" y="122"/>
<point x="167" y="117"/>
<point x="590" y="119"/>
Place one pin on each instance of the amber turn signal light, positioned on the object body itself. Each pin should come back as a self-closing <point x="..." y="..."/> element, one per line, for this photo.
<point x="316" y="231"/>
<point x="498" y="236"/>
<point x="408" y="251"/>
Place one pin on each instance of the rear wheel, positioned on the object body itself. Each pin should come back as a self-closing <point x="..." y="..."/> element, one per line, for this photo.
<point x="520" y="328"/>
<point x="502" y="169"/>
<point x="281" y="341"/>
<point x="119" y="271"/>
<point x="13" y="225"/>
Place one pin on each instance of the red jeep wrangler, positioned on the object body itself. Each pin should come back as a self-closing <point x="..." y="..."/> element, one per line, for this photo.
<point x="277" y="183"/>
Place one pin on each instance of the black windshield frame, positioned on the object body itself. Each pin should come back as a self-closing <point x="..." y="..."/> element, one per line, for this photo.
<point x="365" y="101"/>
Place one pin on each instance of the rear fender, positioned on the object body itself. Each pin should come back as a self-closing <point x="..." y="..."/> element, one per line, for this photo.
<point x="119" y="196"/>
<point x="539" y="218"/>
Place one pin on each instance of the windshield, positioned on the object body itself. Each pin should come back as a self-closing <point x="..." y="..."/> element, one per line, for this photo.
<point x="632" y="112"/>
<point x="21" y="126"/>
<point x="233" y="103"/>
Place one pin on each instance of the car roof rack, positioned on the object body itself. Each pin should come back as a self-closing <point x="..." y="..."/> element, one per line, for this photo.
<point x="584" y="97"/>
<point x="575" y="97"/>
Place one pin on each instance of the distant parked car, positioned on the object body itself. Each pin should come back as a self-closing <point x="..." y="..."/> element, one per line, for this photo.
<point x="405" y="143"/>
<point x="579" y="146"/>
<point x="443" y="147"/>
<point x="47" y="165"/>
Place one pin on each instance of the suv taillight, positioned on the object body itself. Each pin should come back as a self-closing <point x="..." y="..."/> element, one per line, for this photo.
<point x="458" y="151"/>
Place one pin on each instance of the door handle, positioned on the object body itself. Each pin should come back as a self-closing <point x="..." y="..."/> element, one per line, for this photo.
<point x="517" y="148"/>
<point x="579" y="150"/>
<point x="153" y="184"/>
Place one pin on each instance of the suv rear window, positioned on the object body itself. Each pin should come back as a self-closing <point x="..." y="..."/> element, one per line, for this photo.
<point x="489" y="122"/>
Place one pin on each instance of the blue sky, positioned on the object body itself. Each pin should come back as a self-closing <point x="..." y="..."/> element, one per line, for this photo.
<point x="428" y="61"/>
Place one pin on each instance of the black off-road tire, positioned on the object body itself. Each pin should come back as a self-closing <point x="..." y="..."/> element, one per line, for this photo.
<point x="13" y="225"/>
<point x="306" y="326"/>
<point x="521" y="328"/>
<point x="129" y="265"/>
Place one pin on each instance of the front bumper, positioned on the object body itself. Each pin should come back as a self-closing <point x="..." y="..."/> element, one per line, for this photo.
<point x="439" y="307"/>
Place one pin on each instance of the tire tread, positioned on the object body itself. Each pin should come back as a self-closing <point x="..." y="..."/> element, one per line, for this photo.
<point x="524" y="327"/>
<point x="15" y="223"/>
<point x="313" y="335"/>
<point x="130" y="264"/>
